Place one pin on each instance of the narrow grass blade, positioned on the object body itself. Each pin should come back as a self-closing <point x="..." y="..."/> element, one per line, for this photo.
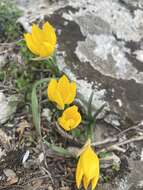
<point x="35" y="105"/>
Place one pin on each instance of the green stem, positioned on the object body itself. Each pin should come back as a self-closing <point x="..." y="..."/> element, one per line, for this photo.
<point x="90" y="130"/>
<point x="61" y="151"/>
<point x="55" y="66"/>
<point x="41" y="81"/>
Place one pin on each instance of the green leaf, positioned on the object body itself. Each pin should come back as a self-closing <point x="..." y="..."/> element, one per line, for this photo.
<point x="89" y="109"/>
<point x="59" y="150"/>
<point x="99" y="111"/>
<point x="76" y="132"/>
<point x="104" y="154"/>
<point x="36" y="111"/>
<point x="35" y="105"/>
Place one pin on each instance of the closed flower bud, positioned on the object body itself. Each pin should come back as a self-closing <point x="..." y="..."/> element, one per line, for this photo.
<point x="87" y="167"/>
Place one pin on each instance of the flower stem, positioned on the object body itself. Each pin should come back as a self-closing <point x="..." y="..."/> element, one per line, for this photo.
<point x="90" y="130"/>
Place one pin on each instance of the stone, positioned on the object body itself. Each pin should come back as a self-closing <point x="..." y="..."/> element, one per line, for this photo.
<point x="47" y="114"/>
<point x="110" y="160"/>
<point x="11" y="176"/>
<point x="3" y="60"/>
<point x="7" y="107"/>
<point x="112" y="119"/>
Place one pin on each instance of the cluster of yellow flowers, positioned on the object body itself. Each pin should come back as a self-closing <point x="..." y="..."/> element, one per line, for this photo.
<point x="62" y="92"/>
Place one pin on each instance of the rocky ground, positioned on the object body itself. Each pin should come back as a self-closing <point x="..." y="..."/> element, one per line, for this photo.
<point x="100" y="46"/>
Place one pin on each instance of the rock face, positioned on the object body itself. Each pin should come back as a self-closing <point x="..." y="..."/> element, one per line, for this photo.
<point x="107" y="49"/>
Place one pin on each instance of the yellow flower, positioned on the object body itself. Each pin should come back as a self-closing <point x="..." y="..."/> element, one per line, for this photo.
<point x="87" y="167"/>
<point x="70" y="118"/>
<point x="41" y="42"/>
<point x="61" y="92"/>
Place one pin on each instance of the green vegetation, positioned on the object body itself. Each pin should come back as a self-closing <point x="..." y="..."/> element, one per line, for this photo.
<point x="9" y="29"/>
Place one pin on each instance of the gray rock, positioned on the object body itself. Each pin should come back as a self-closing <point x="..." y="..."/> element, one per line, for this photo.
<point x="112" y="119"/>
<point x="47" y="114"/>
<point x="134" y="181"/>
<point x="7" y="107"/>
<point x="108" y="48"/>
<point x="110" y="161"/>
<point x="3" y="60"/>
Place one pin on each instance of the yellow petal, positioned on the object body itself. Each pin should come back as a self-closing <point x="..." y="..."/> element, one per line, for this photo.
<point x="51" y="89"/>
<point x="71" y="123"/>
<point x="64" y="87"/>
<point x="86" y="182"/>
<point x="62" y="123"/>
<point x="42" y="51"/>
<point x="54" y="95"/>
<point x="72" y="93"/>
<point x="37" y="34"/>
<point x="90" y="157"/>
<point x="70" y="112"/>
<point x="49" y="34"/>
<point x="79" y="174"/>
<point x="77" y="119"/>
<point x="30" y="44"/>
<point x="48" y="49"/>
<point x="59" y="101"/>
<point x="94" y="182"/>
<point x="67" y="125"/>
<point x="45" y="50"/>
<point x="69" y="119"/>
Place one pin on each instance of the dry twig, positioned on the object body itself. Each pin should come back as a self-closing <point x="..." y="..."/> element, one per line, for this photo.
<point x="66" y="135"/>
<point x="136" y="127"/>
<point x="104" y="142"/>
<point x="114" y="147"/>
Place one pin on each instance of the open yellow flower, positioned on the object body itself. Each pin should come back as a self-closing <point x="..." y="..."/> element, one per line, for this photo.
<point x="70" y="118"/>
<point x="61" y="92"/>
<point x="41" y="42"/>
<point x="87" y="167"/>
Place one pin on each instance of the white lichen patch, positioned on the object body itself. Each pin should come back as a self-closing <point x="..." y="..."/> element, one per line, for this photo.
<point x="142" y="155"/>
<point x="117" y="16"/>
<point x="107" y="26"/>
<point x="139" y="55"/>
<point x="107" y="56"/>
<point x="36" y="10"/>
